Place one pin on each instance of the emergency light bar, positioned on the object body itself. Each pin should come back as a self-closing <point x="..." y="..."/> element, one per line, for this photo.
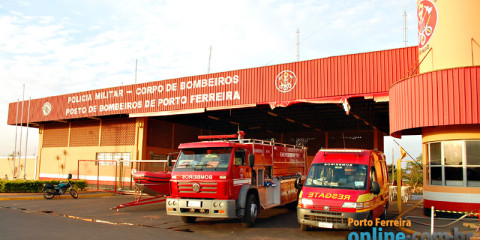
<point x="208" y="137"/>
<point x="342" y="150"/>
<point x="238" y="135"/>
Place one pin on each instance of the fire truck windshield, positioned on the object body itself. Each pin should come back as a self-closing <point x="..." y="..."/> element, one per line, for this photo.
<point x="337" y="175"/>
<point x="204" y="159"/>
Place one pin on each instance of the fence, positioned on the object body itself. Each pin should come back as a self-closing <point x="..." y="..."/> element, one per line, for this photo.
<point x="116" y="175"/>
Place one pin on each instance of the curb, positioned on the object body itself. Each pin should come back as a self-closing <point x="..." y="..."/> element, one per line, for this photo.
<point x="403" y="213"/>
<point x="41" y="197"/>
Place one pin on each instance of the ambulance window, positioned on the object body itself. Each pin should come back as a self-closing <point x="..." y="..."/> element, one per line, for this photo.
<point x="337" y="175"/>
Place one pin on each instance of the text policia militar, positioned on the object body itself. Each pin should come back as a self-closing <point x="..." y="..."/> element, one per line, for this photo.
<point x="155" y="100"/>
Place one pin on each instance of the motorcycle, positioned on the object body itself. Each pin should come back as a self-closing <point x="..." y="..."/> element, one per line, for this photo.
<point x="50" y="190"/>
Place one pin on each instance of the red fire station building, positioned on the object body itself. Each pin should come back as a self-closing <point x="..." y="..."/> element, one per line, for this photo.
<point x="343" y="101"/>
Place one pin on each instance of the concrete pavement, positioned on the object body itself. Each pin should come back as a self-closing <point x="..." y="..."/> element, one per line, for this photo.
<point x="36" y="196"/>
<point x="149" y="215"/>
<point x="413" y="211"/>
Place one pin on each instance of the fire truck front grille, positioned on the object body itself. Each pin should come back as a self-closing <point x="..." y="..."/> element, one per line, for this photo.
<point x="320" y="207"/>
<point x="205" y="187"/>
<point x="326" y="219"/>
<point x="327" y="213"/>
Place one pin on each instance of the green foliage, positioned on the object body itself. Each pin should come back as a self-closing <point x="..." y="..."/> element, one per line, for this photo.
<point x="26" y="186"/>
<point x="414" y="174"/>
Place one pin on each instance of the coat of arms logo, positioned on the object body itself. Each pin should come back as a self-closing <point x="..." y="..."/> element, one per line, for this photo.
<point x="285" y="81"/>
<point x="46" y="108"/>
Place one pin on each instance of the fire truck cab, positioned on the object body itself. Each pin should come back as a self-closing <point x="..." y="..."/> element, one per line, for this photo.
<point x="234" y="178"/>
<point x="343" y="184"/>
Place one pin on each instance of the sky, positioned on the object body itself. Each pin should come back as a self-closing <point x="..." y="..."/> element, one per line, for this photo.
<point x="66" y="46"/>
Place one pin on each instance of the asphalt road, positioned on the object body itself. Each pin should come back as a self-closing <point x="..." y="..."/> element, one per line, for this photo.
<point x="91" y="218"/>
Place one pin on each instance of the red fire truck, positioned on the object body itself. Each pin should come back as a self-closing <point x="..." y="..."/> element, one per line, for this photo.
<point x="234" y="178"/>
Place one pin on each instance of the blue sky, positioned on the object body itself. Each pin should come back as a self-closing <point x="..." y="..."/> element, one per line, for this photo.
<point x="65" y="46"/>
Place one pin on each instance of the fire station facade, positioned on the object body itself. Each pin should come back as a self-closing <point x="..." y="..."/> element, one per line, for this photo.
<point x="336" y="102"/>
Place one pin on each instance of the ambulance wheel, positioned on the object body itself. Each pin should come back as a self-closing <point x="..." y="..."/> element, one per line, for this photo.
<point x="189" y="219"/>
<point x="384" y="215"/>
<point x="251" y="211"/>
<point x="369" y="219"/>
<point x="303" y="227"/>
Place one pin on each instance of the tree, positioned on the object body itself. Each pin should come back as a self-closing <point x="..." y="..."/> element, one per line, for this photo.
<point x="392" y="176"/>
<point x="414" y="173"/>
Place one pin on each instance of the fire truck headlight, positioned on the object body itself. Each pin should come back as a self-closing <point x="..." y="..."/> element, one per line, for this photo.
<point x="215" y="204"/>
<point x="169" y="202"/>
<point x="174" y="203"/>
<point x="306" y="201"/>
<point x="221" y="204"/>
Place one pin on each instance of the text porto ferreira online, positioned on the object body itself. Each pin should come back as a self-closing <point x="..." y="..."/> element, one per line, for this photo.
<point x="377" y="233"/>
<point x="379" y="223"/>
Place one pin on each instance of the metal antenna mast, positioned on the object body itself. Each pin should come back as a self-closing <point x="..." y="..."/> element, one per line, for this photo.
<point x="21" y="128"/>
<point x="298" y="45"/>
<point x="209" y="59"/>
<point x="16" y="134"/>
<point x="26" y="141"/>
<point x="136" y="65"/>
<point x="405" y="27"/>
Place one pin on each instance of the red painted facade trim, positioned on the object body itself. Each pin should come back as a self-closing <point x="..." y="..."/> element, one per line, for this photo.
<point x="363" y="74"/>
<point x="439" y="98"/>
<point x="452" y="206"/>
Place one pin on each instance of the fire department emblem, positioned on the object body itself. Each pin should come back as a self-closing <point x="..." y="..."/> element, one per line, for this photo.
<point x="427" y="21"/>
<point x="196" y="187"/>
<point x="285" y="81"/>
<point x="46" y="108"/>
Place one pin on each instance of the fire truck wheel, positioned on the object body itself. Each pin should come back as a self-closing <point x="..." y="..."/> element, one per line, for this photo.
<point x="292" y="206"/>
<point x="251" y="211"/>
<point x="303" y="227"/>
<point x="189" y="219"/>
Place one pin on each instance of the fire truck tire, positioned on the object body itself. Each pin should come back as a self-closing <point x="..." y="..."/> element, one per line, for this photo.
<point x="251" y="211"/>
<point x="303" y="227"/>
<point x="292" y="206"/>
<point x="189" y="220"/>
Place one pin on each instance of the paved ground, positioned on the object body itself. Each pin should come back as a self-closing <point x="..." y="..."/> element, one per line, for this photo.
<point x="278" y="223"/>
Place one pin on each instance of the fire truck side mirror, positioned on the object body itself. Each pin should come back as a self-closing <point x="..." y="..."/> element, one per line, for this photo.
<point x="251" y="160"/>
<point x="298" y="183"/>
<point x="169" y="160"/>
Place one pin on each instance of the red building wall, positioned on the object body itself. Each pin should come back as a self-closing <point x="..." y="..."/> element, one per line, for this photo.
<point x="364" y="74"/>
